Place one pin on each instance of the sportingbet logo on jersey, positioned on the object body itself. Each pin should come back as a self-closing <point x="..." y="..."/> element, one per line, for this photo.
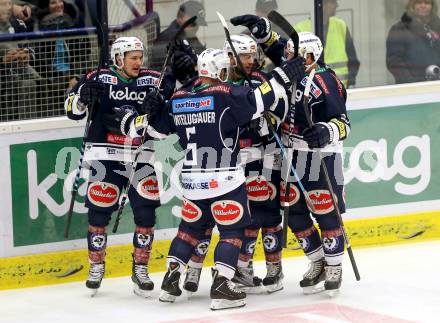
<point x="205" y="103"/>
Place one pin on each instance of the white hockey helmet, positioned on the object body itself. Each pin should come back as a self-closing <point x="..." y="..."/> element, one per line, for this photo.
<point x="123" y="45"/>
<point x="243" y="44"/>
<point x="211" y="62"/>
<point x="309" y="43"/>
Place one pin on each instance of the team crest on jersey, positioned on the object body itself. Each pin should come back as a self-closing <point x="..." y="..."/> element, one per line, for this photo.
<point x="257" y="188"/>
<point x="103" y="194"/>
<point x="322" y="201"/>
<point x="202" y="248"/>
<point x="293" y="196"/>
<point x="148" y="188"/>
<point x="205" y="103"/>
<point x="270" y="242"/>
<point x="190" y="211"/>
<point x="108" y="79"/>
<point x="147" y="81"/>
<point x="227" y="212"/>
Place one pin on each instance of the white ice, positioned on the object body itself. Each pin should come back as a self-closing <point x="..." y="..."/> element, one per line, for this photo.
<point x="399" y="284"/>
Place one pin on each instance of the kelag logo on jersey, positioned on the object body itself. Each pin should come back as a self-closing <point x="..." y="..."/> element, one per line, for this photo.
<point x="205" y="103"/>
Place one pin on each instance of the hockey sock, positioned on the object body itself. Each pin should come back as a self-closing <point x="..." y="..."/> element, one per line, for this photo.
<point x="97" y="243"/>
<point x="310" y="242"/>
<point x="272" y="238"/>
<point x="142" y="241"/>
<point x="200" y="250"/>
<point x="181" y="248"/>
<point x="226" y="256"/>
<point x="333" y="243"/>
<point x="248" y="247"/>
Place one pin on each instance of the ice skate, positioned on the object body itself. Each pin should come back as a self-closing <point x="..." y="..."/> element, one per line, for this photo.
<point x="333" y="279"/>
<point x="192" y="278"/>
<point x="224" y="294"/>
<point x="96" y="273"/>
<point x="142" y="284"/>
<point x="313" y="279"/>
<point x="246" y="281"/>
<point x="273" y="281"/>
<point x="170" y="285"/>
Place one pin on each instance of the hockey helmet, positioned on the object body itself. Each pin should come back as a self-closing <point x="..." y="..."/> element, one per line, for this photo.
<point x="309" y="43"/>
<point x="211" y="62"/>
<point x="123" y="45"/>
<point x="243" y="44"/>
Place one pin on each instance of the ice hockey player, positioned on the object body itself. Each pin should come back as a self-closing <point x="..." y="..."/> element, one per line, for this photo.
<point x="117" y="95"/>
<point x="207" y="117"/>
<point x="262" y="187"/>
<point x="331" y="126"/>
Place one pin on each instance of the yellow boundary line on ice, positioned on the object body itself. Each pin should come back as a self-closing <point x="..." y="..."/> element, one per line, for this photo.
<point x="70" y="266"/>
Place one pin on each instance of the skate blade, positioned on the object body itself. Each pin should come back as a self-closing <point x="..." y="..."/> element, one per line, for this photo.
<point x="141" y="292"/>
<point x="222" y="304"/>
<point x="166" y="297"/>
<point x="251" y="289"/>
<point x="314" y="289"/>
<point x="189" y="294"/>
<point x="332" y="292"/>
<point x="274" y="288"/>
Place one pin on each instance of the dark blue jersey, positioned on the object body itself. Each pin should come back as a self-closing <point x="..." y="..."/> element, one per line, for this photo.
<point x="207" y="119"/>
<point x="119" y="92"/>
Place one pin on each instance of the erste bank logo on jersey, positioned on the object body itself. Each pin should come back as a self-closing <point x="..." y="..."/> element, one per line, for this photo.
<point x="192" y="105"/>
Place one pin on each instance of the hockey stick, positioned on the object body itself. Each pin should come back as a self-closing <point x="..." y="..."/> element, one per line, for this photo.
<point x="102" y="31"/>
<point x="327" y="179"/>
<point x="281" y="22"/>
<point x="124" y="194"/>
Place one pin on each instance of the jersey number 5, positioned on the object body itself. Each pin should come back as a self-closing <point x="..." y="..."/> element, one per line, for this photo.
<point x="192" y="147"/>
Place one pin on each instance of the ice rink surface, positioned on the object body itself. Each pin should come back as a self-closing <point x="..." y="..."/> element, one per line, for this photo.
<point x="399" y="284"/>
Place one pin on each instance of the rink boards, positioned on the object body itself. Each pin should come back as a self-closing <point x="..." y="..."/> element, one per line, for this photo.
<point x="392" y="175"/>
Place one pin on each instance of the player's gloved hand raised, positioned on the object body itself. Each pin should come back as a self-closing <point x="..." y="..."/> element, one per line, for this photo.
<point x="91" y="91"/>
<point x="182" y="66"/>
<point x="319" y="135"/>
<point x="152" y="105"/>
<point x="260" y="28"/>
<point x="289" y="72"/>
<point x="124" y="122"/>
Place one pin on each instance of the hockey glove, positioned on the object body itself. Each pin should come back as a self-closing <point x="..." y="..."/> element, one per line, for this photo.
<point x="125" y="122"/>
<point x="319" y="135"/>
<point x="289" y="72"/>
<point x="183" y="66"/>
<point x="260" y="28"/>
<point x="91" y="91"/>
<point x="152" y="105"/>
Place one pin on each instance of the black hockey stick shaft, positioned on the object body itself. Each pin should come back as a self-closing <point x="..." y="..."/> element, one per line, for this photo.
<point x="144" y="133"/>
<point x="281" y="22"/>
<point x="102" y="32"/>
<point x="329" y="184"/>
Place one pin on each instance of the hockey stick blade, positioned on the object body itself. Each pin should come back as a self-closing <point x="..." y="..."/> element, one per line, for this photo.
<point x="285" y="26"/>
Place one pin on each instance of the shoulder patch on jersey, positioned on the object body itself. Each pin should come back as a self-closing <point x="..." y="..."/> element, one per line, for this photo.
<point x="265" y="88"/>
<point x="179" y="93"/>
<point x="322" y="83"/>
<point x="148" y="71"/>
<point x="108" y="79"/>
<point x="259" y="76"/>
<point x="147" y="80"/>
<point x="184" y="105"/>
